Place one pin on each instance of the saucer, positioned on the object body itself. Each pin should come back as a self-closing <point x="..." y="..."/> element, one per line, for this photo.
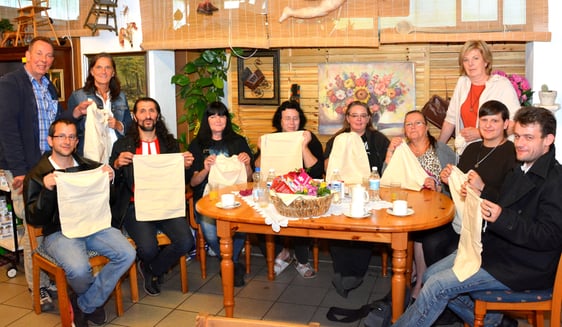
<point x="365" y="215"/>
<point x="235" y="205"/>
<point x="389" y="211"/>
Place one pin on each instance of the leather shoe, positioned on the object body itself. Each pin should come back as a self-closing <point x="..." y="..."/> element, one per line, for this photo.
<point x="98" y="317"/>
<point x="508" y="322"/>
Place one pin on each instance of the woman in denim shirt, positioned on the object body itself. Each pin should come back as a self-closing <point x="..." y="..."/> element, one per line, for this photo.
<point x="102" y="86"/>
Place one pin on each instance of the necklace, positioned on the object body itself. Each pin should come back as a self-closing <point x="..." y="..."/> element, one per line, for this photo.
<point x="478" y="160"/>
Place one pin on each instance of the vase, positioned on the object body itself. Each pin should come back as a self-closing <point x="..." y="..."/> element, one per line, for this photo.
<point x="547" y="98"/>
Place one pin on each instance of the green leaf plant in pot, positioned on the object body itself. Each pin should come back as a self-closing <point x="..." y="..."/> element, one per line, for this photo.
<point x="201" y="82"/>
<point x="546" y="96"/>
<point x="5" y="26"/>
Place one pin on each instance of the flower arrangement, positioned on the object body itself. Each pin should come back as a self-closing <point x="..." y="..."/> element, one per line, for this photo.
<point x="299" y="182"/>
<point x="380" y="93"/>
<point x="521" y="86"/>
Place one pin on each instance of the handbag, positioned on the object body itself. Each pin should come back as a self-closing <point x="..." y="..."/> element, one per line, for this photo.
<point x="435" y="110"/>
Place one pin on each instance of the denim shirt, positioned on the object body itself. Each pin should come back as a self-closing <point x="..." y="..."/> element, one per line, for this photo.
<point x="119" y="108"/>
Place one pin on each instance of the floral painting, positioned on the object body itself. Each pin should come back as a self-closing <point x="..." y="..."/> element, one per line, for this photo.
<point x="386" y="87"/>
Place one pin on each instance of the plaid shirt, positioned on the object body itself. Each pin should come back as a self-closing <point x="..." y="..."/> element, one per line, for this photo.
<point x="46" y="110"/>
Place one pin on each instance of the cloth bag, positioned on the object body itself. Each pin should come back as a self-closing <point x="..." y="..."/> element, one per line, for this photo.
<point x="468" y="259"/>
<point x="226" y="171"/>
<point x="405" y="168"/>
<point x="349" y="156"/>
<point x="98" y="137"/>
<point x="281" y="151"/>
<point x="83" y="201"/>
<point x="159" y="186"/>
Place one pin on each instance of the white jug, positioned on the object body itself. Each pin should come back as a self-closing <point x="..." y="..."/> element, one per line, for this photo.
<point x="359" y="197"/>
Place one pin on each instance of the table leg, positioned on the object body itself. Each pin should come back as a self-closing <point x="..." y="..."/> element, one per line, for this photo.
<point x="227" y="266"/>
<point x="270" y="255"/>
<point x="399" y="244"/>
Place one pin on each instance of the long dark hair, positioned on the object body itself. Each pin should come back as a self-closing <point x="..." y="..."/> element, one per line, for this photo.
<point x="160" y="127"/>
<point x="114" y="82"/>
<point x="205" y="134"/>
<point x="276" y="121"/>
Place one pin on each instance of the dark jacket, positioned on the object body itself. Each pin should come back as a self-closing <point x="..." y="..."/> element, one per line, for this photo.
<point x="41" y="208"/>
<point x="522" y="248"/>
<point x="124" y="177"/>
<point x="19" y="123"/>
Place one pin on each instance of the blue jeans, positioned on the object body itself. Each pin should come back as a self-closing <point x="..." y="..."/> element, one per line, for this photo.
<point x="71" y="254"/>
<point x="144" y="235"/>
<point x="209" y="228"/>
<point x="442" y="289"/>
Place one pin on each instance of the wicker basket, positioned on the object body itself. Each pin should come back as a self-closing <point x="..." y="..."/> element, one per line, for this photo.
<point x="303" y="207"/>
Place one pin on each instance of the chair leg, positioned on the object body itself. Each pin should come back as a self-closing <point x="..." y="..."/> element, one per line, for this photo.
<point x="134" y="283"/>
<point x="64" y="301"/>
<point x="119" y="298"/>
<point x="183" y="273"/>
<point x="384" y="260"/>
<point x="36" y="295"/>
<point x="479" y="313"/>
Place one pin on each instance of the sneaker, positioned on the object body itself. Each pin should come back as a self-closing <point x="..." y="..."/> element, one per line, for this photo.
<point x="45" y="300"/>
<point x="52" y="289"/>
<point x="150" y="284"/>
<point x="210" y="251"/>
<point x="78" y="316"/>
<point x="98" y="317"/>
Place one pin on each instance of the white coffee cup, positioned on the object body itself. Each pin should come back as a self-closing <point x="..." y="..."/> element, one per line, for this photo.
<point x="227" y="200"/>
<point x="400" y="207"/>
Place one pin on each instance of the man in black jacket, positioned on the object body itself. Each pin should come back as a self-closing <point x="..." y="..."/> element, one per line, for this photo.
<point x="42" y="209"/>
<point x="523" y="237"/>
<point x="148" y="135"/>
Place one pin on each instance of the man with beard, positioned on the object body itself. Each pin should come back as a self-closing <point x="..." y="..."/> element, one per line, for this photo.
<point x="148" y="135"/>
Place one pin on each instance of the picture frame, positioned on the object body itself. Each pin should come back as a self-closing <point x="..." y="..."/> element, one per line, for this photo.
<point x="56" y="76"/>
<point x="131" y="71"/>
<point x="258" y="77"/>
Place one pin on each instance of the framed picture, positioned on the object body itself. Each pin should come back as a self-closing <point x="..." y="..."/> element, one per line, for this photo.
<point x="131" y="71"/>
<point x="388" y="89"/>
<point x="57" y="79"/>
<point x="258" y="77"/>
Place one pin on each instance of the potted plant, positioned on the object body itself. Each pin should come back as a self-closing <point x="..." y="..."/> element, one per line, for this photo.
<point x="5" y="26"/>
<point x="546" y="96"/>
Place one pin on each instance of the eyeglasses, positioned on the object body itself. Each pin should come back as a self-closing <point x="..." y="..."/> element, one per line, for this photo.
<point x="65" y="137"/>
<point x="415" y="123"/>
<point x="362" y="116"/>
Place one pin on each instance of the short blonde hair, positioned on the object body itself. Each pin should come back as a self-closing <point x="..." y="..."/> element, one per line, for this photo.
<point x="485" y="51"/>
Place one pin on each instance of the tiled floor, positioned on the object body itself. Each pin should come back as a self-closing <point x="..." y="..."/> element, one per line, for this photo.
<point x="288" y="298"/>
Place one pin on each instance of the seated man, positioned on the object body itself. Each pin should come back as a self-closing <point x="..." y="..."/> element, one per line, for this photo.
<point x="90" y="292"/>
<point x="523" y="232"/>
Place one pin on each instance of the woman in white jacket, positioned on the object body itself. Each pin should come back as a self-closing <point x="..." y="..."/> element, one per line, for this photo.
<point x="475" y="86"/>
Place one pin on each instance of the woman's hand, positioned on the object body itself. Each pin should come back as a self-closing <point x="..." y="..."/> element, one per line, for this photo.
<point x="306" y="138"/>
<point x="112" y="122"/>
<point x="445" y="173"/>
<point x="209" y="161"/>
<point x="244" y="158"/>
<point x="470" y="134"/>
<point x="429" y="183"/>
<point x="394" y="143"/>
<point x="475" y="181"/>
<point x="81" y="109"/>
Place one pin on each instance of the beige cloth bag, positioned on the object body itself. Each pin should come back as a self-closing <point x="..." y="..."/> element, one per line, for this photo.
<point x="159" y="186"/>
<point x="83" y="200"/>
<point x="226" y="171"/>
<point x="281" y="151"/>
<point x="98" y="137"/>
<point x="468" y="259"/>
<point x="349" y="156"/>
<point x="404" y="168"/>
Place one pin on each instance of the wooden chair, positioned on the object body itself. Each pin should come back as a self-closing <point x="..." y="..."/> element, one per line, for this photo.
<point x="30" y="18"/>
<point x="42" y="261"/>
<point x="164" y="240"/>
<point x="536" y="301"/>
<point x="205" y="320"/>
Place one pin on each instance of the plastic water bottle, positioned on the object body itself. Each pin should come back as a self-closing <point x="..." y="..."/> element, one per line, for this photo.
<point x="374" y="185"/>
<point x="337" y="186"/>
<point x="256" y="177"/>
<point x="270" y="178"/>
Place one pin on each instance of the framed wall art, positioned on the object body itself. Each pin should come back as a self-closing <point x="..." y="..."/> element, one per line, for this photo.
<point x="388" y="88"/>
<point x="258" y="77"/>
<point x="56" y="76"/>
<point x="131" y="70"/>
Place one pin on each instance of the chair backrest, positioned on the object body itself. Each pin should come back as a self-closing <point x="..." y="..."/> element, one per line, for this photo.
<point x="34" y="232"/>
<point x="206" y="320"/>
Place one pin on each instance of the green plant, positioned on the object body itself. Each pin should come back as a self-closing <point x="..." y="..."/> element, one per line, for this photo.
<point x="6" y="25"/>
<point x="544" y="88"/>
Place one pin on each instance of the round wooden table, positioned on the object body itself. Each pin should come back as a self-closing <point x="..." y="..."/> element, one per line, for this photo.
<point x="431" y="209"/>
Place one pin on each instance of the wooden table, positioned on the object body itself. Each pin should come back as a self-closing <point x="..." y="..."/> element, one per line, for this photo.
<point x="432" y="209"/>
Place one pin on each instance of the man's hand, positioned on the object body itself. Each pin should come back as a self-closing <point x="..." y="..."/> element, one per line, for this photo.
<point x="124" y="159"/>
<point x="109" y="171"/>
<point x="49" y="181"/>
